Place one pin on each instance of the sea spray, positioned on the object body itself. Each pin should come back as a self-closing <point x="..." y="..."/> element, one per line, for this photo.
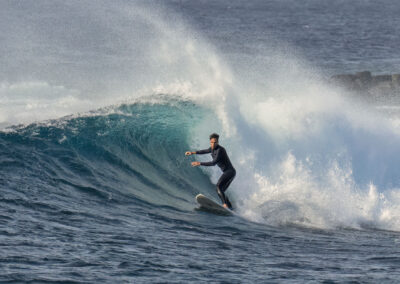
<point x="314" y="157"/>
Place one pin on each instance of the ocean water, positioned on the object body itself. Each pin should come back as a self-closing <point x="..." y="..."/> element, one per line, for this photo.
<point x="100" y="100"/>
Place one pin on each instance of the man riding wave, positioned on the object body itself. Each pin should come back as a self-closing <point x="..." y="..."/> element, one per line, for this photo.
<point x="221" y="159"/>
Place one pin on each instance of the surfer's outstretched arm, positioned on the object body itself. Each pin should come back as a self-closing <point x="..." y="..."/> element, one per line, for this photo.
<point x="205" y="151"/>
<point x="199" y="152"/>
<point x="207" y="164"/>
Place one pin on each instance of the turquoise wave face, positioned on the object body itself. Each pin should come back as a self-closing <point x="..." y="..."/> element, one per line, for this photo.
<point x="137" y="151"/>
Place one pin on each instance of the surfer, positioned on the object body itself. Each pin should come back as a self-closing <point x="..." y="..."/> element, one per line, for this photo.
<point x="221" y="159"/>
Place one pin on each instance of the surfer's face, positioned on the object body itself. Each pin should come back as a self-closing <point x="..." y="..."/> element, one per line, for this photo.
<point x="213" y="143"/>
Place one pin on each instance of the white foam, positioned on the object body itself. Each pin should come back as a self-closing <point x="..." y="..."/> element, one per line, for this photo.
<point x="296" y="195"/>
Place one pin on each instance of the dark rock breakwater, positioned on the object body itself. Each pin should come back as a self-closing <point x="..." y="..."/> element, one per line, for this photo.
<point x="366" y="83"/>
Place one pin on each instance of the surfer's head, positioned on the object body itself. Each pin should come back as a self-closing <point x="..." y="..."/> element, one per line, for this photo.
<point x="214" y="140"/>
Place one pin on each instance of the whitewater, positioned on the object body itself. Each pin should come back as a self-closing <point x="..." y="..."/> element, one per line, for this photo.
<point x="100" y="101"/>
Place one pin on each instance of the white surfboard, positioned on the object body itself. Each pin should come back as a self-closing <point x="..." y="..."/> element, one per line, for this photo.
<point x="211" y="206"/>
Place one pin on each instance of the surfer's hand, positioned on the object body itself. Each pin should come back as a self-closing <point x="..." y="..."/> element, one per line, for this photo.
<point x="195" y="164"/>
<point x="188" y="153"/>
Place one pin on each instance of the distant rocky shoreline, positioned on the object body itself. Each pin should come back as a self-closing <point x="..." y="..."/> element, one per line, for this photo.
<point x="367" y="84"/>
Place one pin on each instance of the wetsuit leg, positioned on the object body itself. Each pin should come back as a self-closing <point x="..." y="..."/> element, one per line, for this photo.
<point x="223" y="184"/>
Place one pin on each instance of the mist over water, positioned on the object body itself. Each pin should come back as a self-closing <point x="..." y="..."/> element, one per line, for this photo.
<point x="105" y="98"/>
<point x="72" y="57"/>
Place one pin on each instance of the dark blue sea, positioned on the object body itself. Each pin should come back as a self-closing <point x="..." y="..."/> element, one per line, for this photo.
<point x="99" y="100"/>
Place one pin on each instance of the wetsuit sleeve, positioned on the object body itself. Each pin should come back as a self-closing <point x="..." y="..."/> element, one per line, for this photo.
<point x="205" y="151"/>
<point x="214" y="161"/>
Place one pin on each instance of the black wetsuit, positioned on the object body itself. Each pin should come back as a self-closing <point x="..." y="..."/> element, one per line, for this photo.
<point x="221" y="159"/>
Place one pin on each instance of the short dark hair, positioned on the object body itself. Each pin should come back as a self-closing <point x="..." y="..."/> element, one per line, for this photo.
<point x="214" y="135"/>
